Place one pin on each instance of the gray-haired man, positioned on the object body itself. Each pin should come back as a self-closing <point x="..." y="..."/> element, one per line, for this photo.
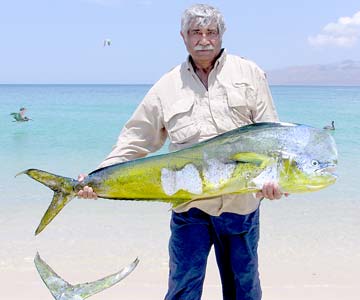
<point x="210" y="93"/>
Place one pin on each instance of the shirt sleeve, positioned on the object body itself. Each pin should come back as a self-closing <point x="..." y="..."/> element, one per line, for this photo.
<point x="265" y="108"/>
<point x="144" y="133"/>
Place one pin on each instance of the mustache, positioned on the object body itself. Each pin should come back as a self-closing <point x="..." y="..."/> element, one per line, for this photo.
<point x="202" y="48"/>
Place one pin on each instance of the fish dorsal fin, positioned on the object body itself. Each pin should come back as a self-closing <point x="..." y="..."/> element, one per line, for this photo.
<point x="260" y="160"/>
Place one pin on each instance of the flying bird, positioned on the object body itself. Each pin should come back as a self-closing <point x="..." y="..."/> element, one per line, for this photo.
<point x="107" y="42"/>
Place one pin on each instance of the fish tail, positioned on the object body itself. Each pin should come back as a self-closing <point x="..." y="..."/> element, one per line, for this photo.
<point x="60" y="287"/>
<point x="64" y="192"/>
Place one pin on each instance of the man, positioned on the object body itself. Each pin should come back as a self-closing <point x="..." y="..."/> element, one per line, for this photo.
<point x="209" y="94"/>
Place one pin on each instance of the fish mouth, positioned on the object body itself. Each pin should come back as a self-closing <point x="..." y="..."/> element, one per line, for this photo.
<point x="328" y="170"/>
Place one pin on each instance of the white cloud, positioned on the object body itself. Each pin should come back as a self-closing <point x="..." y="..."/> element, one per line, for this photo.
<point x="344" y="33"/>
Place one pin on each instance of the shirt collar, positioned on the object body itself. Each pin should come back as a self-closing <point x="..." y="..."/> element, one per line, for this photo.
<point x="218" y="63"/>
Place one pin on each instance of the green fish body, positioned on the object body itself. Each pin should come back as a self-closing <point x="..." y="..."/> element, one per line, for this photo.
<point x="299" y="157"/>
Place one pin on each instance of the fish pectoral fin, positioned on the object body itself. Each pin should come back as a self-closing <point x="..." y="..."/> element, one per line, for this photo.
<point x="260" y="160"/>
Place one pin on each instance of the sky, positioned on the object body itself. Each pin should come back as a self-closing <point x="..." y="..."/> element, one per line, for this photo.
<point x="62" y="41"/>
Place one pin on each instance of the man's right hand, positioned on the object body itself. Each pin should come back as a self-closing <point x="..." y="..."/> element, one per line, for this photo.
<point x="87" y="192"/>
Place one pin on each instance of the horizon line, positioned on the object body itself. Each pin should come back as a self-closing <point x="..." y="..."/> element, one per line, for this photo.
<point x="150" y="84"/>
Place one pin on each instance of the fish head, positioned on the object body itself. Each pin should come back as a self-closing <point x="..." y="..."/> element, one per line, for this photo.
<point x="311" y="168"/>
<point x="306" y="174"/>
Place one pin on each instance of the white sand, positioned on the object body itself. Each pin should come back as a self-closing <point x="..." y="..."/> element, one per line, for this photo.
<point x="306" y="252"/>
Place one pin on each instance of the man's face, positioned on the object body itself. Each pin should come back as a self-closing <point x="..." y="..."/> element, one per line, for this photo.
<point x="203" y="43"/>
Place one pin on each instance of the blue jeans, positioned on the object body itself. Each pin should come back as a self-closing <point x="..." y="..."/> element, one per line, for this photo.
<point x="235" y="239"/>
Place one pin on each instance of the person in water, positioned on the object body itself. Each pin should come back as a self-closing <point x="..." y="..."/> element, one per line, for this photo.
<point x="210" y="93"/>
<point x="20" y="116"/>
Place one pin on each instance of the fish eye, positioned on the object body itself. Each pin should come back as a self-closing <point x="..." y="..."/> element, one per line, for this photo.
<point x="314" y="163"/>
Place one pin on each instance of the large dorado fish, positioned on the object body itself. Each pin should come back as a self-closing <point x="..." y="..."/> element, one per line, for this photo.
<point x="300" y="158"/>
<point x="62" y="290"/>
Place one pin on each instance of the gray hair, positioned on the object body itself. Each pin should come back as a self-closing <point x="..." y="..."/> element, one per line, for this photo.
<point x="203" y="15"/>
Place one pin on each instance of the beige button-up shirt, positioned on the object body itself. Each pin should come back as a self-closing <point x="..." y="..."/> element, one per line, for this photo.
<point x="180" y="108"/>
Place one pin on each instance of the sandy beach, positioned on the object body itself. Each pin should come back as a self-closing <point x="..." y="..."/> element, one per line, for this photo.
<point x="300" y="256"/>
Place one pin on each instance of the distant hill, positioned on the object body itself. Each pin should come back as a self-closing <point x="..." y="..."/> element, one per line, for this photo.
<point x="346" y="72"/>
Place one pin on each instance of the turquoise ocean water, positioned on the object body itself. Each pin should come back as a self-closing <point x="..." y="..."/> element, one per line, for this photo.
<point x="74" y="128"/>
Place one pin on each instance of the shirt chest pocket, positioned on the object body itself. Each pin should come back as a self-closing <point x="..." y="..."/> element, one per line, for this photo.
<point x="241" y="99"/>
<point x="179" y="121"/>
